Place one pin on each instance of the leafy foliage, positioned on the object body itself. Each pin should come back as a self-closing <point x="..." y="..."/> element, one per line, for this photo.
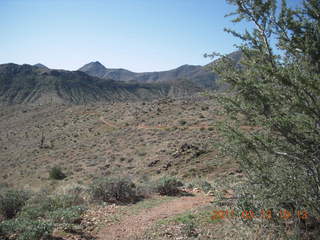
<point x="274" y="104"/>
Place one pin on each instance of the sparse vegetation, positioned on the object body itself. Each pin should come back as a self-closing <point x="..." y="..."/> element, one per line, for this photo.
<point x="86" y="158"/>
<point x="182" y="122"/>
<point x="56" y="173"/>
<point x="35" y="216"/>
<point x="113" y="190"/>
<point x="25" y="229"/>
<point x="12" y="201"/>
<point x="168" y="186"/>
<point x="252" y="145"/>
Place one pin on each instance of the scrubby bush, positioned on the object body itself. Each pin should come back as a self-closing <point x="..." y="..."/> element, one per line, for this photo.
<point x="190" y="186"/>
<point x="113" y="190"/>
<point x="204" y="108"/>
<point x="41" y="204"/>
<point x="182" y="122"/>
<point x="67" y="215"/>
<point x="32" y="212"/>
<point x="168" y="186"/>
<point x="66" y="200"/>
<point x="37" y="216"/>
<point x="25" y="229"/>
<point x="12" y="201"/>
<point x="77" y="194"/>
<point x="203" y="185"/>
<point x="56" y="173"/>
<point x="144" y="190"/>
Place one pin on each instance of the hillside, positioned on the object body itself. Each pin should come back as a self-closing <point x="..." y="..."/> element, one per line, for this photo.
<point x="93" y="82"/>
<point x="142" y="141"/>
<point x="197" y="74"/>
<point x="136" y="138"/>
<point x="201" y="76"/>
<point x="40" y="85"/>
<point x="39" y="65"/>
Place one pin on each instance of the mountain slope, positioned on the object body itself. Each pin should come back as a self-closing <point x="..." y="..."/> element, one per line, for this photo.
<point x="30" y="84"/>
<point x="96" y="69"/>
<point x="201" y="76"/>
<point x="39" y="65"/>
<point x="38" y="85"/>
<point x="197" y="74"/>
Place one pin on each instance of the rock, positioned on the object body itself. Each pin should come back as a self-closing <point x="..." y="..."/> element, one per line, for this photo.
<point x="165" y="167"/>
<point x="184" y="147"/>
<point x="196" y="190"/>
<point x="176" y="154"/>
<point x="151" y="164"/>
<point x="229" y="193"/>
<point x="210" y="193"/>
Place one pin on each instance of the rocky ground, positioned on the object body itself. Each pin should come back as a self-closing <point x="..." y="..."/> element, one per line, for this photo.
<point x="141" y="140"/>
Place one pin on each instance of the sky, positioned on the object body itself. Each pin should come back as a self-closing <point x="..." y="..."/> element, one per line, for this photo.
<point x="139" y="35"/>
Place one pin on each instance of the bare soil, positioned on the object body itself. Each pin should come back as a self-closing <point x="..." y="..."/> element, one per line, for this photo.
<point x="133" y="226"/>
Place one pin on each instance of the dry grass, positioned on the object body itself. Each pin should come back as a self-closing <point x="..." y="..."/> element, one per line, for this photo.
<point x="100" y="140"/>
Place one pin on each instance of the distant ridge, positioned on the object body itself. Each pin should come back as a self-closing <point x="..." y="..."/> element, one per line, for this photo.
<point x="27" y="84"/>
<point x="96" y="69"/>
<point x="197" y="74"/>
<point x="94" y="82"/>
<point x="200" y="75"/>
<point x="39" y="65"/>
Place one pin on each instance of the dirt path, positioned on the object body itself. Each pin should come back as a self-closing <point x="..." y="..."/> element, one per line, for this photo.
<point x="108" y="123"/>
<point x="136" y="225"/>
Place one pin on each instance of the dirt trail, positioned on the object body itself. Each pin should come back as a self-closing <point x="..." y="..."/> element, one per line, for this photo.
<point x="108" y="123"/>
<point x="135" y="225"/>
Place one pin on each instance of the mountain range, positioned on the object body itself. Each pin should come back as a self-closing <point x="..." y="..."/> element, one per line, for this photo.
<point x="200" y="75"/>
<point x="197" y="74"/>
<point x="94" y="82"/>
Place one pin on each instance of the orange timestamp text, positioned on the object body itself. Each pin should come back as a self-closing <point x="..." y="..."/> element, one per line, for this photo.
<point x="262" y="214"/>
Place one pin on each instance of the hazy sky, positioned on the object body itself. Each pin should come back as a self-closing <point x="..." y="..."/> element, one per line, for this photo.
<point x="139" y="35"/>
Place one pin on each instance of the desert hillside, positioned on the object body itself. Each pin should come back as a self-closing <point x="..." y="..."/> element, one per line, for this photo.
<point x="139" y="139"/>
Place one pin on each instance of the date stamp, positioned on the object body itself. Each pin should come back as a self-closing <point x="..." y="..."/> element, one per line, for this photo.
<point x="262" y="214"/>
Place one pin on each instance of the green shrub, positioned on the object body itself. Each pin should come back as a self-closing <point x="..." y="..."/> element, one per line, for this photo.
<point x="203" y="185"/>
<point x="168" y="186"/>
<point x="189" y="230"/>
<point x="65" y="201"/>
<point x="204" y="108"/>
<point x="56" y="173"/>
<point x="79" y="192"/>
<point x="25" y="229"/>
<point x="32" y="212"/>
<point x="272" y="112"/>
<point x="190" y="186"/>
<point x="182" y="122"/>
<point x="113" y="190"/>
<point x="42" y="205"/>
<point x="3" y="186"/>
<point x="67" y="215"/>
<point x="12" y="201"/>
